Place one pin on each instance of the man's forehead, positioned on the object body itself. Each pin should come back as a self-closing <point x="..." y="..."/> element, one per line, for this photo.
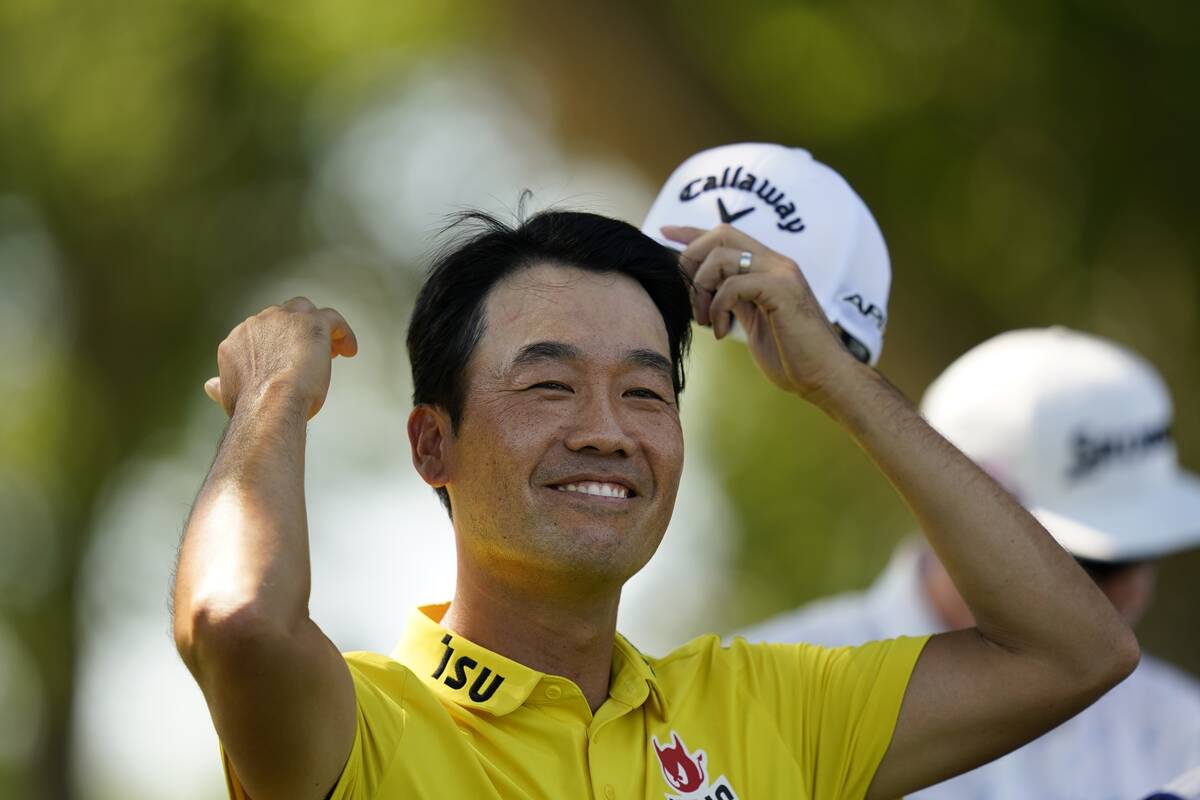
<point x="584" y="309"/>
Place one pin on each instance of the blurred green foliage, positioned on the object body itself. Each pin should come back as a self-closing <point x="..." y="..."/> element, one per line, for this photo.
<point x="1029" y="162"/>
<point x="162" y="147"/>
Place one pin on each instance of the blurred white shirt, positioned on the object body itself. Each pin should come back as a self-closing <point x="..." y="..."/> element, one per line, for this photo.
<point x="1139" y="736"/>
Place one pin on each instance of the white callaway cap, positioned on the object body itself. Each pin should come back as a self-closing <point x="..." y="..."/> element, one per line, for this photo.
<point x="798" y="207"/>
<point x="1079" y="430"/>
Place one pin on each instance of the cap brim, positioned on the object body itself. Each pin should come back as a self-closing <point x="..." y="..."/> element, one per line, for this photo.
<point x="1145" y="523"/>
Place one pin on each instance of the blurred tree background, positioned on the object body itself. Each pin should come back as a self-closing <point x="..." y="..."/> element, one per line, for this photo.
<point x="1030" y="163"/>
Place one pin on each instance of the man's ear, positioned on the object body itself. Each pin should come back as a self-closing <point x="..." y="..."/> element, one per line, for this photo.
<point x="430" y="436"/>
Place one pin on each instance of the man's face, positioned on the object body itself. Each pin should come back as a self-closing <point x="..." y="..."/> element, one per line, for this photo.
<point x="568" y="455"/>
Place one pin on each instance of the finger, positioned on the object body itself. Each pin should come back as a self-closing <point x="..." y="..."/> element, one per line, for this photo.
<point x="748" y="288"/>
<point x="721" y="236"/>
<point x="681" y="233"/>
<point x="719" y="264"/>
<point x="212" y="388"/>
<point x="743" y="311"/>
<point x="342" y="341"/>
<point x="692" y="255"/>
<point x="688" y="265"/>
<point x="299" y="304"/>
<point x="701" y="300"/>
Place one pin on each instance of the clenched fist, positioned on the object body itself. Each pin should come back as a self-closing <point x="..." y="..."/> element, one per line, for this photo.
<point x="287" y="348"/>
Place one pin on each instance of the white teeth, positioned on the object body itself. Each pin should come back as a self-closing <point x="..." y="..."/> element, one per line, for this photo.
<point x="596" y="489"/>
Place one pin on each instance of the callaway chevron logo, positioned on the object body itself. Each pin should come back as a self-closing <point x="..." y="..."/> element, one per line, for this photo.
<point x="726" y="216"/>
<point x="740" y="180"/>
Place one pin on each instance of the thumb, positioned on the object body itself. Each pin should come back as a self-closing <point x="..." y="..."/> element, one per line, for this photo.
<point x="212" y="388"/>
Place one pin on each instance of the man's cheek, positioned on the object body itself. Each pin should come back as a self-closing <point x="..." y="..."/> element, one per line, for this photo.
<point x="667" y="452"/>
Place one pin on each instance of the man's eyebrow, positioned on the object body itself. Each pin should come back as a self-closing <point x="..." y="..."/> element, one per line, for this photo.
<point x="560" y="351"/>
<point x="652" y="359"/>
<point x="544" y="351"/>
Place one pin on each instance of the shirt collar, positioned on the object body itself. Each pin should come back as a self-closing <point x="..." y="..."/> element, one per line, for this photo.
<point x="633" y="678"/>
<point x="464" y="673"/>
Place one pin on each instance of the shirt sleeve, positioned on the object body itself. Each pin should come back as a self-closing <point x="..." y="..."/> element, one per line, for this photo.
<point x="379" y="696"/>
<point x="836" y="707"/>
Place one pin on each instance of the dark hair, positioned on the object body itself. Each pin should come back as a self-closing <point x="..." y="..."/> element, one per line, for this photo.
<point x="1101" y="571"/>
<point x="448" y="319"/>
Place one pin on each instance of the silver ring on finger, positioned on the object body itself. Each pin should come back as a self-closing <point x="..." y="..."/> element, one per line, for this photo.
<point x="744" y="261"/>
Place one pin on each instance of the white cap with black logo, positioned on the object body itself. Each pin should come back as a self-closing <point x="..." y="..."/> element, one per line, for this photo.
<point x="796" y="206"/>
<point x="1079" y="430"/>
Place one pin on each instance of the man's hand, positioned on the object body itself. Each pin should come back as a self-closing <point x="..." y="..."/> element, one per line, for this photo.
<point x="280" y="695"/>
<point x="1047" y="642"/>
<point x="786" y="328"/>
<point x="289" y="347"/>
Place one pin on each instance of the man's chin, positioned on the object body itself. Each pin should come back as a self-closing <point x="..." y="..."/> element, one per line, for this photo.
<point x="614" y="552"/>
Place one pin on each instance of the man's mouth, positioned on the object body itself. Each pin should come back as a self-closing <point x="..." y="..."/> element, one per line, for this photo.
<point x="596" y="489"/>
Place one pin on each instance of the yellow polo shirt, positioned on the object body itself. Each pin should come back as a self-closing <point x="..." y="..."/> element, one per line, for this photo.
<point x="445" y="718"/>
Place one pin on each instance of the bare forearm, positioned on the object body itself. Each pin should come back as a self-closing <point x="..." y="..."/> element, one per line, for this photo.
<point x="1026" y="593"/>
<point x="1047" y="641"/>
<point x="280" y="694"/>
<point x="246" y="540"/>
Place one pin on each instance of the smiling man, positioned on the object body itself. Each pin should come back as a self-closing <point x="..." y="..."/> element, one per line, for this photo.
<point x="547" y="367"/>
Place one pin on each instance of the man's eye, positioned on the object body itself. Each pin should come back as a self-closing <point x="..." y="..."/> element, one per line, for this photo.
<point x="555" y="385"/>
<point x="649" y="394"/>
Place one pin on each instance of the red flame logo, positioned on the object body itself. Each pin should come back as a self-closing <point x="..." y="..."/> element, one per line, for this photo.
<point x="684" y="771"/>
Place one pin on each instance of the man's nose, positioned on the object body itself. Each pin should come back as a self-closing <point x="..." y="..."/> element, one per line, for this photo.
<point x="597" y="427"/>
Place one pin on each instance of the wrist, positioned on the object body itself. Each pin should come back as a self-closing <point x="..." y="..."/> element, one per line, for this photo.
<point x="847" y="385"/>
<point x="277" y="398"/>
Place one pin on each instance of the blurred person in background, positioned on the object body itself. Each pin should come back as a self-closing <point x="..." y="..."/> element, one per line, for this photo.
<point x="1078" y="429"/>
<point x="547" y="361"/>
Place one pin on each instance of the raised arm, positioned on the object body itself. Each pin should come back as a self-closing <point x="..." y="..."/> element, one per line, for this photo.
<point x="280" y="695"/>
<point x="1047" y="642"/>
